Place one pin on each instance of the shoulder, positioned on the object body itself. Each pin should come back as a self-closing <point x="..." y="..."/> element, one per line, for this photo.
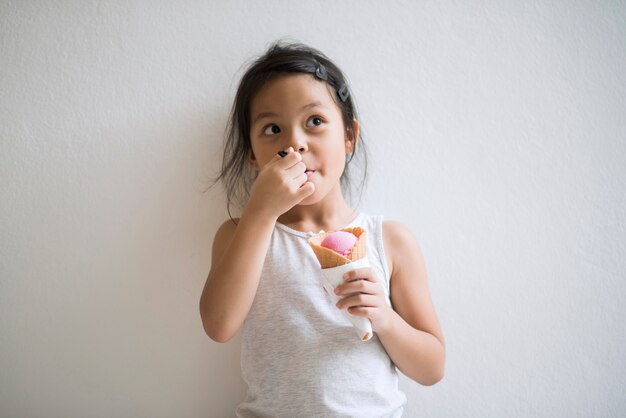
<point x="406" y="263"/>
<point x="228" y="226"/>
<point x="400" y="244"/>
<point x="395" y="232"/>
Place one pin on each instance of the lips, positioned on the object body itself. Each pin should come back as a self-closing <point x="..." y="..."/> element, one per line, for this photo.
<point x="309" y="173"/>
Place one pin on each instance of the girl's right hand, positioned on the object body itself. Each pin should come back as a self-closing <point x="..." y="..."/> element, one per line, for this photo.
<point x="280" y="185"/>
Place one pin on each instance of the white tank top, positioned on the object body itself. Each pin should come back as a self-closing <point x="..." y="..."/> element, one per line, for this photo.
<point x="300" y="357"/>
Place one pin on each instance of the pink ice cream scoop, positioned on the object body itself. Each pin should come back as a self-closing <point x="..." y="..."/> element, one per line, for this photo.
<point x="340" y="241"/>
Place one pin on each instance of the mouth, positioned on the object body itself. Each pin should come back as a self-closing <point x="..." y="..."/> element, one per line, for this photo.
<point x="309" y="173"/>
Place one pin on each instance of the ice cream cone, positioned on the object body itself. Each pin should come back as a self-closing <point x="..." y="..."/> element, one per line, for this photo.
<point x="329" y="258"/>
<point x="334" y="265"/>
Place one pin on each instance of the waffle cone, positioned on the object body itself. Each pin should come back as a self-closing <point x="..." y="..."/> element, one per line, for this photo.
<point x="329" y="258"/>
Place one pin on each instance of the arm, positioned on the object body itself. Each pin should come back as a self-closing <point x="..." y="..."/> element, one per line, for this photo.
<point x="239" y="251"/>
<point x="413" y="338"/>
<point x="238" y="256"/>
<point x="410" y="331"/>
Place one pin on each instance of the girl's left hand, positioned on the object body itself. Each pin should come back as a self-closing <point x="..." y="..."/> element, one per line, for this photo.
<point x="365" y="296"/>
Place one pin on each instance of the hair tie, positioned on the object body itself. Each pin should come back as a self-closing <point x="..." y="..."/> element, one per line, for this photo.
<point x="320" y="72"/>
<point x="343" y="92"/>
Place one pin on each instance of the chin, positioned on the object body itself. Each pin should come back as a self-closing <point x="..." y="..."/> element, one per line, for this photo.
<point x="308" y="201"/>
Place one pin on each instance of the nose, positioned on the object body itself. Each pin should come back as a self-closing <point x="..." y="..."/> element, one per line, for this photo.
<point x="297" y="140"/>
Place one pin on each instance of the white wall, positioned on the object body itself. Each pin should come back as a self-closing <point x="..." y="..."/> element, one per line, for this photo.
<point x="497" y="132"/>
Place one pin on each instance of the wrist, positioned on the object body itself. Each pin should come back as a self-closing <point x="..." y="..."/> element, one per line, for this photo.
<point x="257" y="216"/>
<point x="390" y="325"/>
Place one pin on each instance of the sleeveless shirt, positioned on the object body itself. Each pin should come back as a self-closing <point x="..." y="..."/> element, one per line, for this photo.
<point x="300" y="356"/>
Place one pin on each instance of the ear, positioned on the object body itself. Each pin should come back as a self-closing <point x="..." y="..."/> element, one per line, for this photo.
<point x="352" y="137"/>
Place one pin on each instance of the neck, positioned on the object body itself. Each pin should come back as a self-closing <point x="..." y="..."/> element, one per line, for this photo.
<point x="330" y="213"/>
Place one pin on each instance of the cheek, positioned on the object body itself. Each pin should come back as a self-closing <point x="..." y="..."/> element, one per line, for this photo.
<point x="338" y="158"/>
<point x="261" y="153"/>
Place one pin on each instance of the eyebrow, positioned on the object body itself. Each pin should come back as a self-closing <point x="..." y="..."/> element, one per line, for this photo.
<point x="303" y="108"/>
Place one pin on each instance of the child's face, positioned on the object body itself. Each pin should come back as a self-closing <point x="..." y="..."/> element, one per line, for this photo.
<point x="298" y="111"/>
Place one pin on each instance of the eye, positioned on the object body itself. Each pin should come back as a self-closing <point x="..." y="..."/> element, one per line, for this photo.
<point x="314" y="121"/>
<point x="271" y="130"/>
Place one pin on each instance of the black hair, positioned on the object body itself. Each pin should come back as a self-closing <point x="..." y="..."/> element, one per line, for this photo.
<point x="281" y="58"/>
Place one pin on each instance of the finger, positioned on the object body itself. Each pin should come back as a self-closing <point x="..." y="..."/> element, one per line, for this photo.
<point x="284" y="153"/>
<point x="300" y="179"/>
<point x="365" y="273"/>
<point x="359" y="299"/>
<point x="358" y="286"/>
<point x="296" y="170"/>
<point x="306" y="190"/>
<point x="281" y="156"/>
<point x="363" y="311"/>
<point x="289" y="160"/>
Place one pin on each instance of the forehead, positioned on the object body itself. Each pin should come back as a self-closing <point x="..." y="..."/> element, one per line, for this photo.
<point x="289" y="92"/>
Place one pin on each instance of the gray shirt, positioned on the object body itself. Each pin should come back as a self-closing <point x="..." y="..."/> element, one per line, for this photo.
<point x="300" y="357"/>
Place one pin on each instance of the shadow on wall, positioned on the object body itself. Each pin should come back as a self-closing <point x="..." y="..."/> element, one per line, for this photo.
<point x="221" y="377"/>
<point x="221" y="370"/>
<point x="178" y="157"/>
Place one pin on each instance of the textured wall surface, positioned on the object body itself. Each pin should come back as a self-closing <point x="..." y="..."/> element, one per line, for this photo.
<point x="497" y="133"/>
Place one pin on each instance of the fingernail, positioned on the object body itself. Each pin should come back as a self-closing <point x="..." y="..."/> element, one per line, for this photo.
<point x="282" y="154"/>
<point x="337" y="290"/>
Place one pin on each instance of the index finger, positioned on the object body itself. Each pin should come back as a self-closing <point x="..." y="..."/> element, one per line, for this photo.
<point x="363" y="273"/>
<point x="288" y="159"/>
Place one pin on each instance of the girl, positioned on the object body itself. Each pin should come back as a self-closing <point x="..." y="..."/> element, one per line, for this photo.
<point x="294" y="127"/>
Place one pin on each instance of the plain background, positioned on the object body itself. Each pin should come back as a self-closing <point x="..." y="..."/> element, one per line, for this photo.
<point x="497" y="135"/>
